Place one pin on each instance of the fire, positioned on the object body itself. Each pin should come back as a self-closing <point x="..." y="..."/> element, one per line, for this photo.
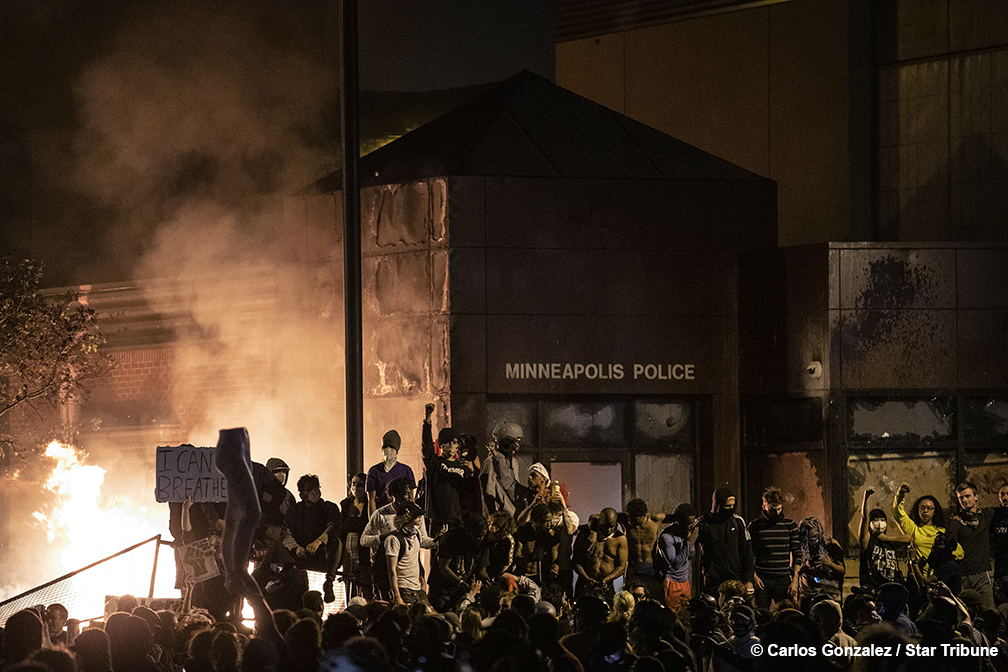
<point x="91" y="531"/>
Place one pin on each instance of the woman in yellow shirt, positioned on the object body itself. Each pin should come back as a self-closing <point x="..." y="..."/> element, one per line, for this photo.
<point x="925" y="520"/>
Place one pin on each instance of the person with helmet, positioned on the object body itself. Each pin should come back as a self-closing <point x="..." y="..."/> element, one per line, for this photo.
<point x="275" y="500"/>
<point x="502" y="489"/>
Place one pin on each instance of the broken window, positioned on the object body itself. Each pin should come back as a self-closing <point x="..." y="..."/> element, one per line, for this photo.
<point x="583" y="423"/>
<point x="664" y="425"/>
<point x="907" y="419"/>
<point x="985" y="419"/>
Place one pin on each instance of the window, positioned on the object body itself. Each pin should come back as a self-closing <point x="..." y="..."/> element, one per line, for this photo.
<point x="985" y="419"/>
<point x="664" y="425"/>
<point x="583" y="423"/>
<point x="873" y="420"/>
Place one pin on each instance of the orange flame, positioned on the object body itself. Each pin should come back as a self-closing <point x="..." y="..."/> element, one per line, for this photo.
<point x="92" y="532"/>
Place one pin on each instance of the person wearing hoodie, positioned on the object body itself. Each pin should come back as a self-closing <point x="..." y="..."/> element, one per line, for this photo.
<point x="447" y="475"/>
<point x="672" y="555"/>
<point x="274" y="500"/>
<point x="724" y="545"/>
<point x="381" y="475"/>
<point x="737" y="652"/>
<point x="891" y="606"/>
<point x="828" y="617"/>
<point x="499" y="480"/>
<point x="281" y="582"/>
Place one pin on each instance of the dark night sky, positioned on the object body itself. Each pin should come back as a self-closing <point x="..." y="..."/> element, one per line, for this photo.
<point x="118" y="117"/>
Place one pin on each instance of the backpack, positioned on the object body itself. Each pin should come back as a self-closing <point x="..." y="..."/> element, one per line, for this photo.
<point x="659" y="562"/>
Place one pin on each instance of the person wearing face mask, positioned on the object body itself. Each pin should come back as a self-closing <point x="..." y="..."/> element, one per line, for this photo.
<point x="822" y="564"/>
<point x="502" y="489"/>
<point x="724" y="545"/>
<point x="381" y="475"/>
<point x="880" y="551"/>
<point x="776" y="552"/>
<point x="446" y="472"/>
<point x="312" y="532"/>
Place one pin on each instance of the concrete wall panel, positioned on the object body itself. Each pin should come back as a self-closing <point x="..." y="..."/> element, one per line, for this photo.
<point x="743" y="215"/>
<point x="610" y="214"/>
<point x="983" y="342"/>
<point x="980" y="278"/>
<point x="581" y="282"/>
<point x="465" y="211"/>
<point x="467" y="280"/>
<point x="404" y="216"/>
<point x="894" y="349"/>
<point x="468" y="354"/>
<point x="897" y="279"/>
<point x="397" y="284"/>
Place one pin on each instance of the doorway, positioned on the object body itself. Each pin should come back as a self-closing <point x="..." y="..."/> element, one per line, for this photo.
<point x="591" y="486"/>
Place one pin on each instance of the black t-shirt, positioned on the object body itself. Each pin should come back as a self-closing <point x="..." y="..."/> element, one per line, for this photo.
<point x="446" y="482"/>
<point x="999" y="541"/>
<point x="879" y="564"/>
<point x="353" y="520"/>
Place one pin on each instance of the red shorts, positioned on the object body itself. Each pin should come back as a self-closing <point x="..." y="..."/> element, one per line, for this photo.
<point x="674" y="592"/>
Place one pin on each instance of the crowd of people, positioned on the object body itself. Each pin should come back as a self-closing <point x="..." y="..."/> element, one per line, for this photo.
<point x="516" y="582"/>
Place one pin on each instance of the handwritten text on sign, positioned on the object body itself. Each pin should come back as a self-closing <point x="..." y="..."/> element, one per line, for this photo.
<point x="186" y="471"/>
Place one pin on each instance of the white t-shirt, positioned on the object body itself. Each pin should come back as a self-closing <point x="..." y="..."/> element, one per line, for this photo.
<point x="408" y="567"/>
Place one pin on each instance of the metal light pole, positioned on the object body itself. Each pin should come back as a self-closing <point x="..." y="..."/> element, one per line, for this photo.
<point x="353" y="323"/>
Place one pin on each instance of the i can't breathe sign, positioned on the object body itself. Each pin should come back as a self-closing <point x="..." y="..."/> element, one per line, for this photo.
<point x="188" y="472"/>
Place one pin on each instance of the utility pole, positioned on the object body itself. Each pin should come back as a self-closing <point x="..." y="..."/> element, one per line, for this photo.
<point x="353" y="322"/>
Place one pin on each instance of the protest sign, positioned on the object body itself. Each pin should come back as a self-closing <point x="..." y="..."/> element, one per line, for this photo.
<point x="199" y="559"/>
<point x="187" y="472"/>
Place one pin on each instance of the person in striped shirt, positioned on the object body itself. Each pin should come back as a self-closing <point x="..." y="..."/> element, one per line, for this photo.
<point x="776" y="551"/>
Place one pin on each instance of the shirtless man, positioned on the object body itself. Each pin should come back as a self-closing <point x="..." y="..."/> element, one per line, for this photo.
<point x="642" y="531"/>
<point x="600" y="555"/>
